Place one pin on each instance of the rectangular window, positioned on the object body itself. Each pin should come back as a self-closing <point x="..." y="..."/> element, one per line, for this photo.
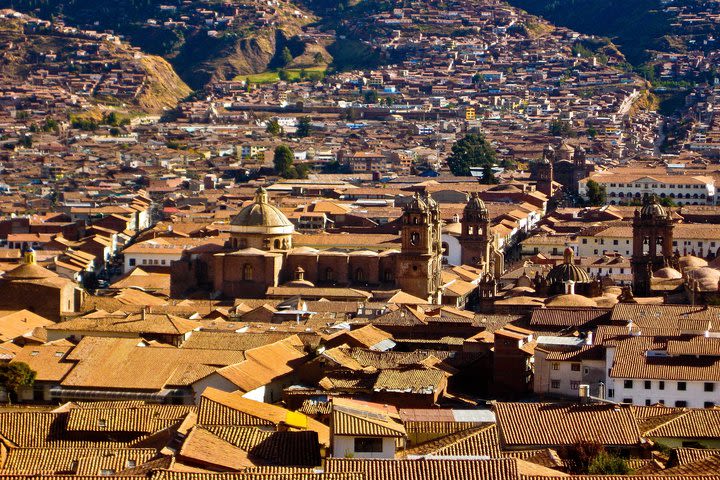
<point x="648" y="384"/>
<point x="574" y="385"/>
<point x="628" y="384"/>
<point x="575" y="367"/>
<point x="647" y="402"/>
<point x="132" y="262"/>
<point x="584" y="241"/>
<point x="681" y="404"/>
<point x="627" y="400"/>
<point x="555" y="384"/>
<point x="368" y="445"/>
<point x="611" y="392"/>
<point x="107" y="472"/>
<point x="556" y="366"/>
<point x="709" y="404"/>
<point x="661" y="385"/>
<point x="709" y="387"/>
<point x="682" y="386"/>
<point x="615" y="242"/>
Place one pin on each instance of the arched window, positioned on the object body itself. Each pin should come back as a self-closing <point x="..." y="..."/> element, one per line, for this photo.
<point x="416" y="221"/>
<point x="277" y="244"/>
<point x="445" y="247"/>
<point x="414" y="238"/>
<point x="389" y="276"/>
<point x="247" y="272"/>
<point x="329" y="275"/>
<point x="243" y="243"/>
<point x="359" y="275"/>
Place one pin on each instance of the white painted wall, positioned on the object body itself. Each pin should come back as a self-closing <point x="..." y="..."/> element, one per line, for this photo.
<point x="344" y="446"/>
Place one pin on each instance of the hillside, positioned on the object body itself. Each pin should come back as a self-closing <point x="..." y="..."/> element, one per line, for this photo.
<point x="636" y="26"/>
<point x="96" y="68"/>
<point x="203" y="40"/>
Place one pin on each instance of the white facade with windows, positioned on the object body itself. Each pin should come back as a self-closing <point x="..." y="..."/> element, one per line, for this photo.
<point x="682" y="190"/>
<point x="671" y="393"/>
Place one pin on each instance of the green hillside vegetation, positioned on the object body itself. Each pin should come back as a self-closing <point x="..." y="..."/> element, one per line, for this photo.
<point x="635" y="26"/>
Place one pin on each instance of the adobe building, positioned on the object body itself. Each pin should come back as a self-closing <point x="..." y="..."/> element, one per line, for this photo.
<point x="37" y="289"/>
<point x="261" y="254"/>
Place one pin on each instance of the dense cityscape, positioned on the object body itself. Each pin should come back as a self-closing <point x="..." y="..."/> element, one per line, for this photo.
<point x="359" y="240"/>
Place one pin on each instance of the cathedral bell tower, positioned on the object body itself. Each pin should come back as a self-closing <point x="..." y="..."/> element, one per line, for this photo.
<point x="420" y="260"/>
<point x="544" y="175"/>
<point x="476" y="238"/>
<point x="652" y="243"/>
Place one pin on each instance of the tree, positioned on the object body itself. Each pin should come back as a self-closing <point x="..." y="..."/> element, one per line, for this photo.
<point x="274" y="128"/>
<point x="488" y="177"/>
<point x="561" y="128"/>
<point x="371" y="96"/>
<point x="283" y="75"/>
<point x="286" y="57"/>
<point x="303" y="128"/>
<point x="318" y="58"/>
<point x="596" y="193"/>
<point x="579" y="455"/>
<point x="283" y="161"/>
<point x="607" y="464"/>
<point x="14" y="376"/>
<point x="667" y="202"/>
<point x="473" y="150"/>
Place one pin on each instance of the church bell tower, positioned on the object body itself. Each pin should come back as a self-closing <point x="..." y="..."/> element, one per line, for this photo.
<point x="420" y="260"/>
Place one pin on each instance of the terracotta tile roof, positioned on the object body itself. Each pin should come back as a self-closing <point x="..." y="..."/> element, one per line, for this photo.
<point x="232" y="341"/>
<point x="551" y="425"/>
<point x="632" y="361"/>
<point x="150" y="323"/>
<point x="436" y="469"/>
<point x="695" y="423"/>
<point x="684" y="456"/>
<point x="357" y="420"/>
<point x="203" y="448"/>
<point x="264" y="364"/>
<point x="709" y="465"/>
<point x="81" y="461"/>
<point x="415" y="380"/>
<point x="566" y="317"/>
<point x="546" y="457"/>
<point x="46" y="360"/>
<point x="256" y="473"/>
<point x="232" y="409"/>
<point x="472" y="442"/>
<point x="300" y="449"/>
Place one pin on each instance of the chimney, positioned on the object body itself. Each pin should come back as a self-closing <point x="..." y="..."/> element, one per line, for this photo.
<point x="142" y="313"/>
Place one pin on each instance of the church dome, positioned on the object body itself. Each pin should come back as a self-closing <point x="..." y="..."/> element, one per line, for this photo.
<point x="667" y="273"/>
<point x="565" y="147"/>
<point x="416" y="204"/>
<point x="567" y="271"/>
<point x="570" y="300"/>
<point x="706" y="277"/>
<point x="261" y="217"/>
<point x="691" y="261"/>
<point x="651" y="208"/>
<point x="475" y="204"/>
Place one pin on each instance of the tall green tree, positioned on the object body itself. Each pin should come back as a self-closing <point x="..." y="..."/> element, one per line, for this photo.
<point x="596" y="193"/>
<point x="274" y="128"/>
<point x="303" y="128"/>
<point x="473" y="150"/>
<point x="488" y="177"/>
<point x="14" y="376"/>
<point x="371" y="96"/>
<point x="286" y="57"/>
<point x="283" y="161"/>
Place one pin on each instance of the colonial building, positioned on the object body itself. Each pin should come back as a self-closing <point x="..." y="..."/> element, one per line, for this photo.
<point x="652" y="243"/>
<point x="261" y="254"/>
